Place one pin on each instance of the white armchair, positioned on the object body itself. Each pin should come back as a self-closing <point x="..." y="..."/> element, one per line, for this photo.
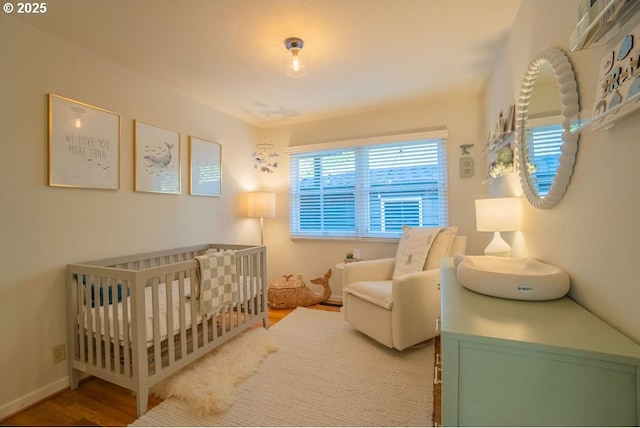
<point x="398" y="311"/>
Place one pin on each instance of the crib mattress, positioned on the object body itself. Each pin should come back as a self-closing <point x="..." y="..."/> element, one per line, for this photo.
<point x="96" y="316"/>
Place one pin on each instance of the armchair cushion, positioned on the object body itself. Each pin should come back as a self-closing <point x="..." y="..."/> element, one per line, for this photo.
<point x="413" y="248"/>
<point x="376" y="292"/>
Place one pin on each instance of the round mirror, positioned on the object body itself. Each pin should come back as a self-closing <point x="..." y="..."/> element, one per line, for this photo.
<point x="545" y="147"/>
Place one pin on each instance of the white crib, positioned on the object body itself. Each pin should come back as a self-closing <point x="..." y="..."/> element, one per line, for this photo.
<point x="131" y="320"/>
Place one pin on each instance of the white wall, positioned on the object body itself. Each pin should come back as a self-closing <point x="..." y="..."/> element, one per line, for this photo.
<point x="43" y="228"/>
<point x="462" y="115"/>
<point x="594" y="232"/>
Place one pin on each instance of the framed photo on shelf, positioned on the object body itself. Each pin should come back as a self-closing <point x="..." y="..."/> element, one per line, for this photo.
<point x="617" y="90"/>
<point x="84" y="145"/>
<point x="205" y="167"/>
<point x="157" y="159"/>
<point x="499" y="147"/>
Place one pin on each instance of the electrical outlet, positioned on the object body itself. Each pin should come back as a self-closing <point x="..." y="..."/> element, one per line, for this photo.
<point x="59" y="353"/>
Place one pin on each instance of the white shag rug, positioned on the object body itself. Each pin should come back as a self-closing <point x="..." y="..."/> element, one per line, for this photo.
<point x="324" y="374"/>
<point x="208" y="385"/>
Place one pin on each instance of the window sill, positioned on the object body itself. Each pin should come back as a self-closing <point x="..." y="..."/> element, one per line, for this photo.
<point x="344" y="238"/>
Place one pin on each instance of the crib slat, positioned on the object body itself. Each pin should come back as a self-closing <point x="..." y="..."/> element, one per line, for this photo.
<point x="156" y="322"/>
<point x="182" y="313"/>
<point x="108" y="300"/>
<point x="168" y="280"/>
<point x="262" y="277"/>
<point x="195" y="336"/>
<point x="116" y="325"/>
<point x="97" y="286"/>
<point x="81" y="302"/>
<point x="126" y="325"/>
<point x="90" y="322"/>
<point x="205" y="328"/>
<point x="252" y="270"/>
<point x="223" y="318"/>
<point x="248" y="285"/>
<point x="248" y="277"/>
<point x="246" y="280"/>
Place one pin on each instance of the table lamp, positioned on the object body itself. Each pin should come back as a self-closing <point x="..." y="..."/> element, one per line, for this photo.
<point x="498" y="215"/>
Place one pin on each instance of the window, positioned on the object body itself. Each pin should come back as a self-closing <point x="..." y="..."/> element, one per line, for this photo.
<point x="544" y="155"/>
<point x="369" y="190"/>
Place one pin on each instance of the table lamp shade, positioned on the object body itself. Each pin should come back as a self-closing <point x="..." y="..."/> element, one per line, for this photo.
<point x="261" y="205"/>
<point x="498" y="214"/>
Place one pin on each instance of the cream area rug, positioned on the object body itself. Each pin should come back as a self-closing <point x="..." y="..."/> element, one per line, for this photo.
<point x="324" y="373"/>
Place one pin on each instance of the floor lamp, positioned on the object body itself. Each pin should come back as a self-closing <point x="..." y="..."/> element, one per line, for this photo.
<point x="261" y="205"/>
<point x="498" y="215"/>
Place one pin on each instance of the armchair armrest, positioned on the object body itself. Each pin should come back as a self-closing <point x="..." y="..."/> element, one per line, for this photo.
<point x="369" y="270"/>
<point x="415" y="286"/>
<point x="416" y="305"/>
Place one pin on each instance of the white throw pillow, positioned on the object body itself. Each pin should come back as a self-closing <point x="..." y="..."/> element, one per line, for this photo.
<point x="413" y="249"/>
<point x="441" y="247"/>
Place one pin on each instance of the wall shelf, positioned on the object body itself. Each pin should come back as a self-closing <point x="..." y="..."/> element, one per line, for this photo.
<point x="605" y="24"/>
<point x="499" y="141"/>
<point x="604" y="20"/>
<point x="585" y="121"/>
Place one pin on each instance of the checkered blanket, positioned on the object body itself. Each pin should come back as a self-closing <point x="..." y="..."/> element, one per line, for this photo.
<point x="218" y="281"/>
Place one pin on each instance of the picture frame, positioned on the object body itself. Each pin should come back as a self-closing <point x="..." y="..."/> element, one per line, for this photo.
<point x="84" y="145"/>
<point x="205" y="167"/>
<point x="156" y="159"/>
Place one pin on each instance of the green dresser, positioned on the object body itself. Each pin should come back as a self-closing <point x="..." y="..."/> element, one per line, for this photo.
<point x="518" y="363"/>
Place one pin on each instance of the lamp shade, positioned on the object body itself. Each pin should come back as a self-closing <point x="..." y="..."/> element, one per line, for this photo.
<point x="261" y="204"/>
<point x="498" y="214"/>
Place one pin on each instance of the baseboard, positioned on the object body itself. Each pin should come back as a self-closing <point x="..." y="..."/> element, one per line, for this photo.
<point x="330" y="303"/>
<point x="34" y="397"/>
<point x="337" y="298"/>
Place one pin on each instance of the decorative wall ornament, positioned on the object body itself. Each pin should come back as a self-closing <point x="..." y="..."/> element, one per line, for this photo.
<point x="466" y="162"/>
<point x="265" y="158"/>
<point x="466" y="167"/>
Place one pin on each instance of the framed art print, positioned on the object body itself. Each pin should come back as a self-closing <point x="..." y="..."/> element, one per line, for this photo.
<point x="205" y="176"/>
<point x="157" y="159"/>
<point x="84" y="145"/>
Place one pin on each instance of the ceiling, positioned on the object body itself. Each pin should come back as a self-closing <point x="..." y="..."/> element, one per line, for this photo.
<point x="230" y="55"/>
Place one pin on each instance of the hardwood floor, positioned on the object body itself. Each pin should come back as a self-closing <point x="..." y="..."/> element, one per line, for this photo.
<point x="99" y="403"/>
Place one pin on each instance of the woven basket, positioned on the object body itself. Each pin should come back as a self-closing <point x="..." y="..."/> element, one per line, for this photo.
<point x="287" y="293"/>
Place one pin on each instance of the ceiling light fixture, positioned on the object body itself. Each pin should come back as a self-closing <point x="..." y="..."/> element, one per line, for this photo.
<point x="295" y="66"/>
